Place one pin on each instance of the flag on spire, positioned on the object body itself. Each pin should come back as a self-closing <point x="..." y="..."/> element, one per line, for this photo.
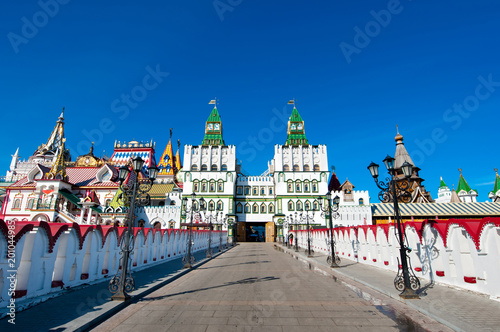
<point x="212" y="102"/>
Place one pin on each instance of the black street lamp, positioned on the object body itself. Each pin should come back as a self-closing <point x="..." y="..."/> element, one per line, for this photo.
<point x="209" y="216"/>
<point x="392" y="191"/>
<point x="221" y="221"/>
<point x="332" y="209"/>
<point x="305" y="216"/>
<point x="294" y="220"/>
<point x="135" y="193"/>
<point x="188" y="259"/>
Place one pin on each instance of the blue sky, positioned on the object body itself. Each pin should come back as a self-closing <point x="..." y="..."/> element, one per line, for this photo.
<point x="356" y="68"/>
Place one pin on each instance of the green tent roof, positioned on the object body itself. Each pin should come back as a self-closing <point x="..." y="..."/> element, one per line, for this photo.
<point x="462" y="184"/>
<point x="496" y="187"/>
<point x="296" y="136"/>
<point x="442" y="184"/>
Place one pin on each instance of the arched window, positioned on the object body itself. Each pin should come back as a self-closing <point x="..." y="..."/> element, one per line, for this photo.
<point x="204" y="167"/>
<point x="307" y="206"/>
<point x="255" y="208"/>
<point x="316" y="168"/>
<point x="286" y="168"/>
<point x="196" y="186"/>
<point x="195" y="205"/>
<point x="17" y="203"/>
<point x="306" y="168"/>
<point x="361" y="201"/>
<point x="263" y="208"/>
<point x="314" y="186"/>
<point x="213" y="167"/>
<point x="220" y="206"/>
<point x="315" y="206"/>
<point x="194" y="168"/>
<point x="290" y="206"/>
<point x="204" y="186"/>
<point x="298" y="187"/>
<point x="239" y="208"/>
<point x="295" y="168"/>
<point x="306" y="186"/>
<point x="271" y="208"/>
<point x="141" y="223"/>
<point x="290" y="186"/>
<point x="220" y="186"/>
<point x="223" y="167"/>
<point x="247" y="208"/>
<point x="31" y="201"/>
<point x="211" y="206"/>
<point x="247" y="190"/>
<point x="212" y="186"/>
<point x="299" y="206"/>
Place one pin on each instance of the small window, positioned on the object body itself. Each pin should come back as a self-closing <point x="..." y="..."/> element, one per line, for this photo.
<point x="31" y="202"/>
<point x="239" y="190"/>
<point x="204" y="187"/>
<point x="298" y="187"/>
<point x="306" y="168"/>
<point x="108" y="202"/>
<point x="290" y="187"/>
<point x="299" y="206"/>
<point x="306" y="187"/>
<point x="290" y="206"/>
<point x="262" y="191"/>
<point x="239" y="208"/>
<point x="255" y="191"/>
<point x="204" y="167"/>
<point x="194" y="167"/>
<point x="17" y="204"/>
<point x="255" y="208"/>
<point x="247" y="190"/>
<point x="361" y="201"/>
<point x="263" y="208"/>
<point x="271" y="190"/>
<point x="247" y="208"/>
<point x="296" y="168"/>
<point x="286" y="168"/>
<point x="220" y="206"/>
<point x="213" y="168"/>
<point x="220" y="187"/>
<point x="196" y="186"/>
<point x="211" y="206"/>
<point x="316" y="168"/>
<point x="212" y="187"/>
<point x="307" y="206"/>
<point x="315" y="206"/>
<point x="223" y="167"/>
<point x="271" y="208"/>
<point x="315" y="187"/>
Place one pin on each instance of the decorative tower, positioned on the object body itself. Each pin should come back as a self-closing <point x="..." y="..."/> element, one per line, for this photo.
<point x="495" y="194"/>
<point x="58" y="170"/>
<point x="166" y="164"/>
<point x="464" y="192"/>
<point x="15" y="159"/>
<point x="417" y="190"/>
<point x="213" y="129"/>
<point x="444" y="193"/>
<point x="296" y="134"/>
<point x="49" y="149"/>
<point x="177" y="158"/>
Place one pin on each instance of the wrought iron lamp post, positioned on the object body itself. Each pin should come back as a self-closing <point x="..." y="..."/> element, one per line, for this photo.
<point x="306" y="216"/>
<point x="135" y="193"/>
<point x="294" y="220"/>
<point x="188" y="259"/>
<point x="393" y="191"/>
<point x="332" y="209"/>
<point x="221" y="221"/>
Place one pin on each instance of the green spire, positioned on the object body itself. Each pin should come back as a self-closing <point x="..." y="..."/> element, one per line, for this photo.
<point x="213" y="130"/>
<point x="442" y="184"/>
<point x="295" y="131"/>
<point x="496" y="187"/>
<point x="462" y="184"/>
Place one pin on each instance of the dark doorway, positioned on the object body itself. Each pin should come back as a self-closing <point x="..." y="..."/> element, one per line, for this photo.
<point x="255" y="232"/>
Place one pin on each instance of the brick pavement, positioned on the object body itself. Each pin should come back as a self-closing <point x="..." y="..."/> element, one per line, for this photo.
<point x="459" y="309"/>
<point x="254" y="287"/>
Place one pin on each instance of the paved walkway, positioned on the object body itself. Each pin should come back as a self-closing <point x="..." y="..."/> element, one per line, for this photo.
<point x="458" y="309"/>
<point x="255" y="287"/>
<point x="81" y="306"/>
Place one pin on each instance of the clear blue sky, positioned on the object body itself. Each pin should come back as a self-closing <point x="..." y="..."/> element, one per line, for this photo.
<point x="410" y="64"/>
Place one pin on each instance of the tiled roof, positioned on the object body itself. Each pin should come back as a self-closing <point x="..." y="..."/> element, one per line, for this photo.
<point x="462" y="184"/>
<point x="158" y="190"/>
<point x="431" y="210"/>
<point x="78" y="176"/>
